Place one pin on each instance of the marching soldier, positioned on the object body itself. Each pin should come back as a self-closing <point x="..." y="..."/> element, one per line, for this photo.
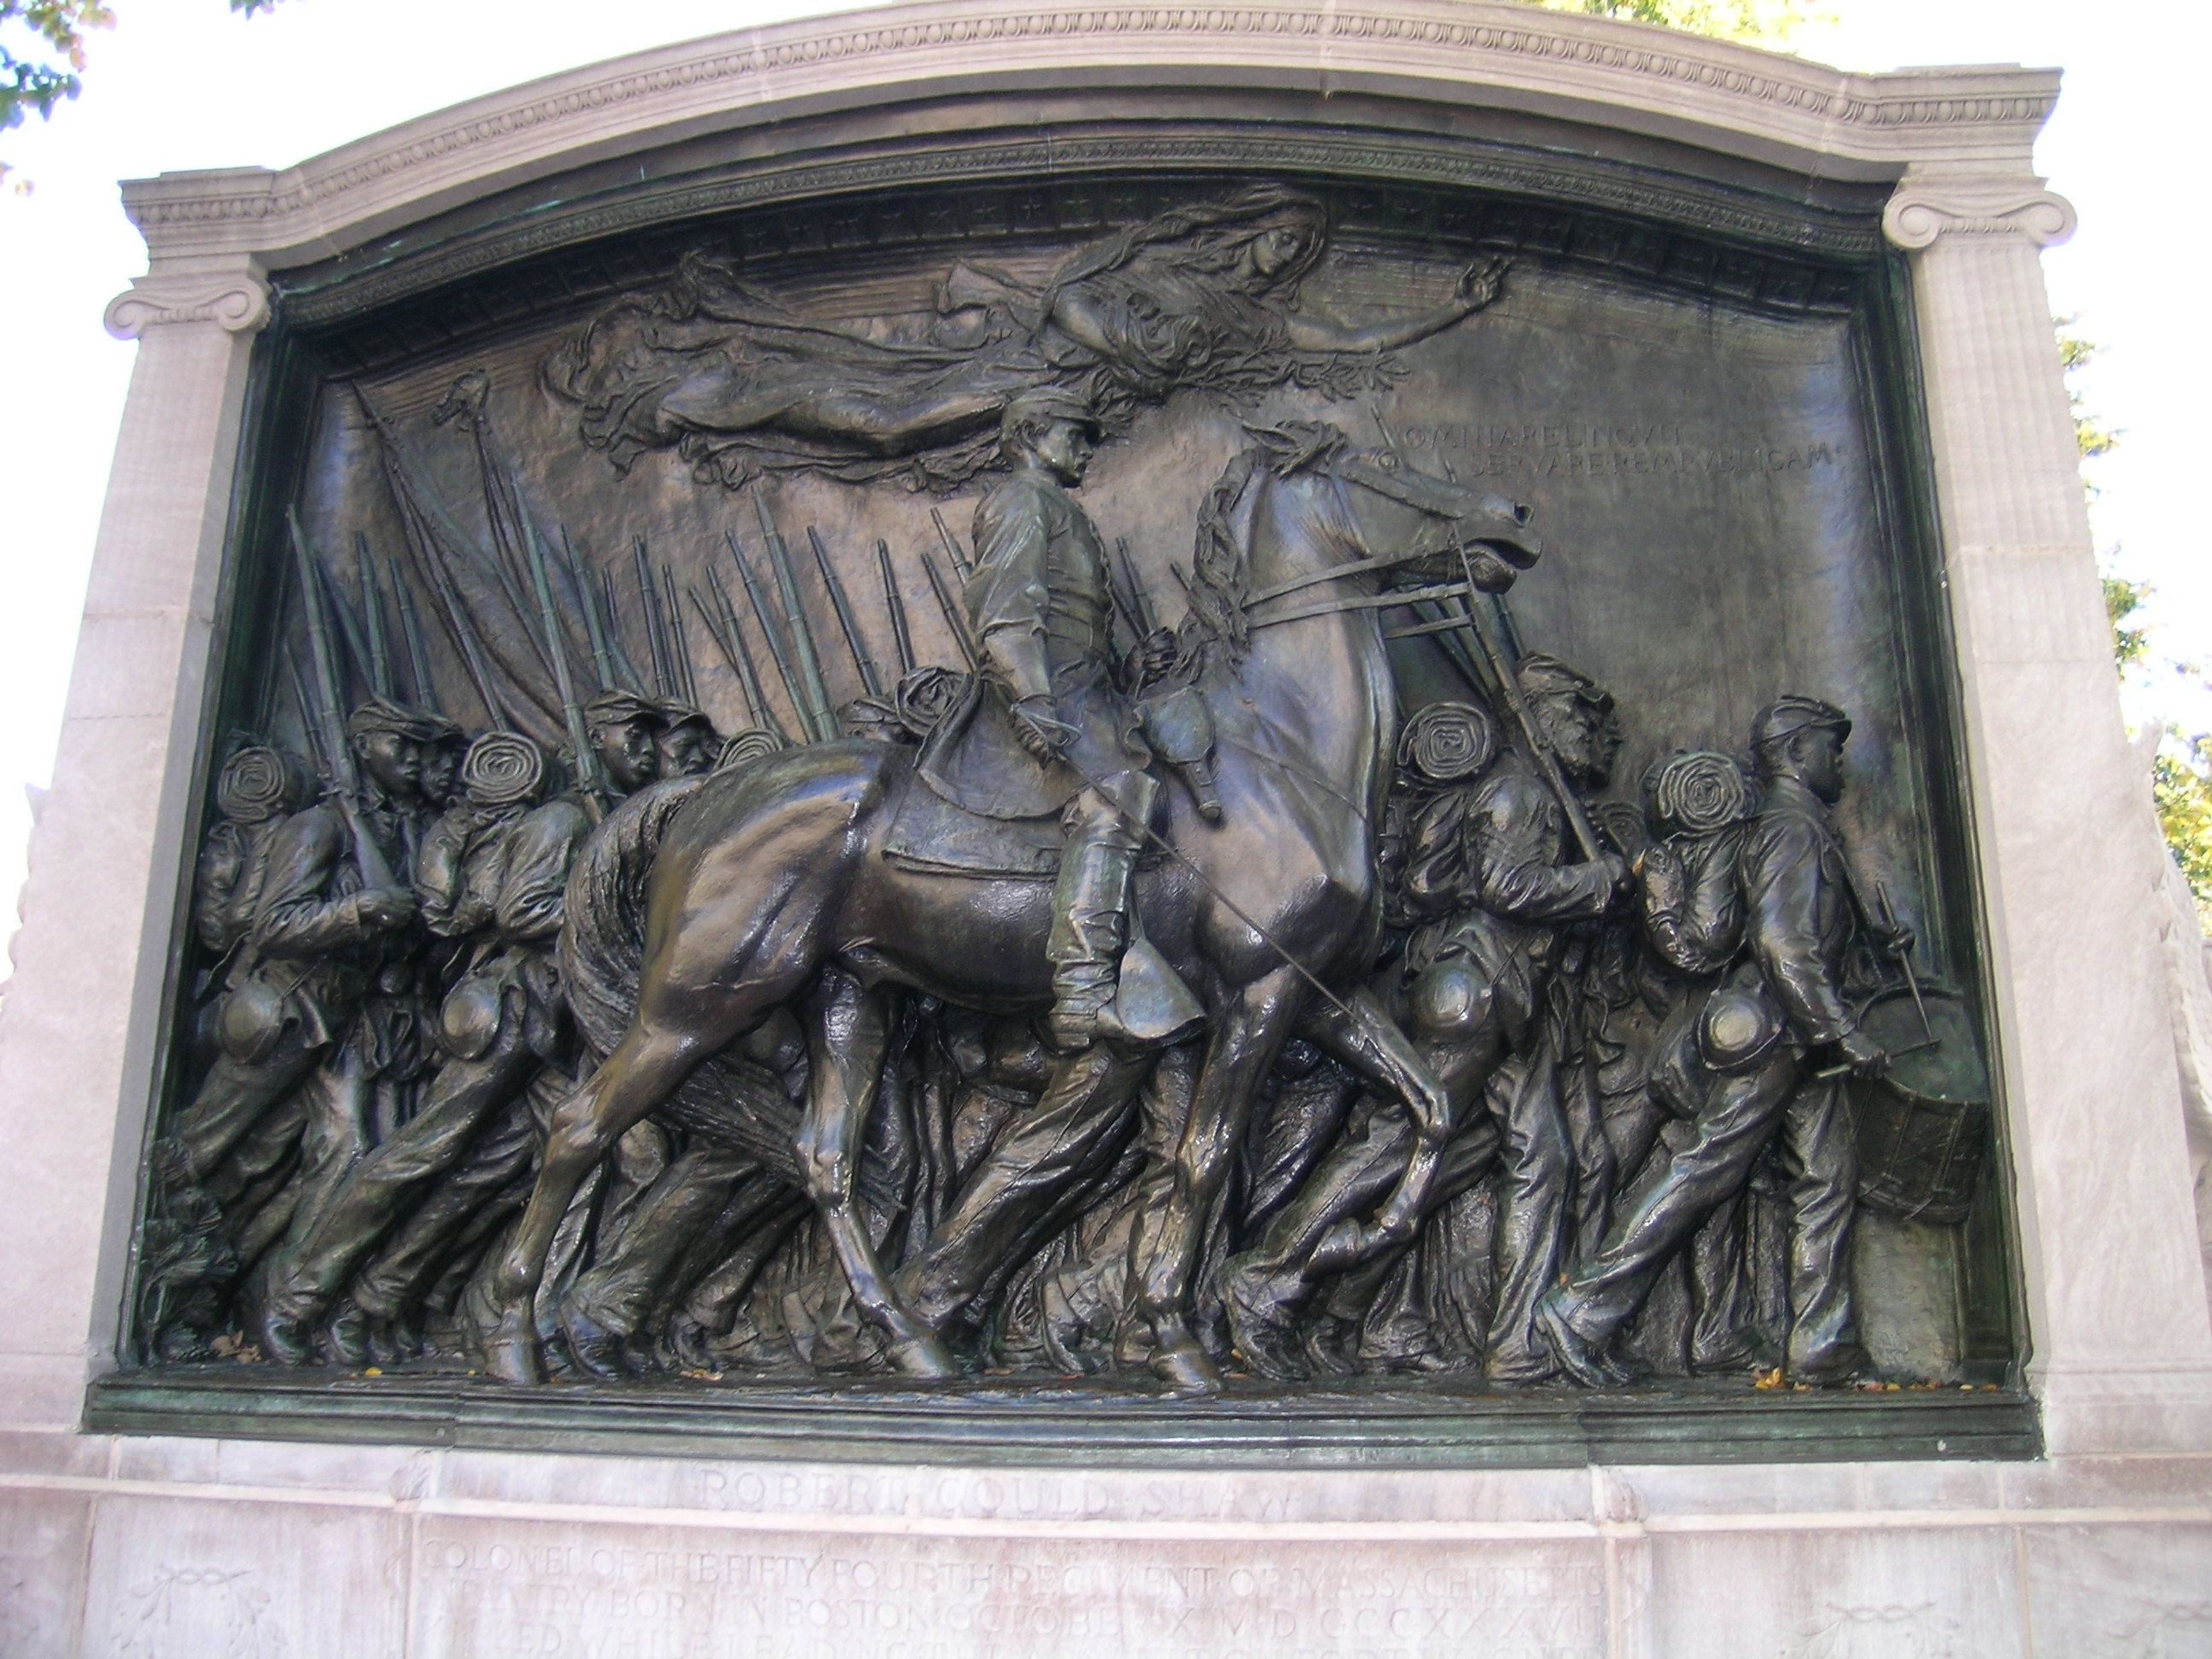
<point x="491" y="874"/>
<point x="687" y="740"/>
<point x="1489" y="868"/>
<point x="1755" y="1053"/>
<point x="625" y="730"/>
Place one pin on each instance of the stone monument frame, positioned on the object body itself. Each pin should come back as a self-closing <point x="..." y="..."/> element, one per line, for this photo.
<point x="2110" y="1320"/>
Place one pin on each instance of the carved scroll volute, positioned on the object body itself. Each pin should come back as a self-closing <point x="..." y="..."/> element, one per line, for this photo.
<point x="2006" y="207"/>
<point x="238" y="301"/>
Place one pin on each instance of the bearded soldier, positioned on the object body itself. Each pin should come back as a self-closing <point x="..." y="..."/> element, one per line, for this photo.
<point x="1488" y="869"/>
<point x="1754" y="1058"/>
<point x="490" y="876"/>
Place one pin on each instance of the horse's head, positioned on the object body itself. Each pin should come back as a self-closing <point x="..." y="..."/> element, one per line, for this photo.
<point x="1439" y="522"/>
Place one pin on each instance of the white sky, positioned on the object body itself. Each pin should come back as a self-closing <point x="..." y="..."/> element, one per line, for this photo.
<point x="181" y="84"/>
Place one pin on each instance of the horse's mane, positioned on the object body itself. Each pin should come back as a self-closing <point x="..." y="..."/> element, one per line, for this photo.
<point x="1220" y="561"/>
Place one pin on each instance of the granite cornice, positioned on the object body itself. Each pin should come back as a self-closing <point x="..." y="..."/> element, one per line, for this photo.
<point x="1590" y="69"/>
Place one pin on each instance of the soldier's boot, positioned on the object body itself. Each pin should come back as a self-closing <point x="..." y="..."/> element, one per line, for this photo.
<point x="1092" y="930"/>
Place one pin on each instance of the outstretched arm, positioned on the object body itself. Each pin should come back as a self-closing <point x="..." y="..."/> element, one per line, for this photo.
<point x="1477" y="286"/>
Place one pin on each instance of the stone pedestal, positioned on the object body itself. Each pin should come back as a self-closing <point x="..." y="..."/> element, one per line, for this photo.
<point x="114" y="1544"/>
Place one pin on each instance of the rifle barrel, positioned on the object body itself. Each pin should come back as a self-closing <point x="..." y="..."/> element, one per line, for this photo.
<point x="742" y="661"/>
<point x="863" y="663"/>
<point x="953" y="618"/>
<point x="819" y="717"/>
<point x="1547" y="763"/>
<point x="764" y="614"/>
<point x="895" y="604"/>
<point x="603" y="663"/>
<point x="367" y="855"/>
<point x="411" y="629"/>
<point x="679" y="642"/>
<point x="656" y="644"/>
<point x="952" y="548"/>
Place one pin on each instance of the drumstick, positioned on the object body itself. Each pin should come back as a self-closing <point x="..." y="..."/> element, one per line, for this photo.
<point x="1904" y="961"/>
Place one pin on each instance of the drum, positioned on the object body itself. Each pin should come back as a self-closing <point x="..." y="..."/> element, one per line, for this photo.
<point x="1924" y="1130"/>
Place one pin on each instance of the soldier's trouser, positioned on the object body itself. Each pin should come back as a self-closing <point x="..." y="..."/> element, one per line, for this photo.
<point x="1054" y="1143"/>
<point x="618" y="1292"/>
<point x="1532" y="1211"/>
<point x="407" y="1263"/>
<point x="236" y="1094"/>
<point x="340" y="1096"/>
<point x="311" y="1274"/>
<point x="1742" y="1117"/>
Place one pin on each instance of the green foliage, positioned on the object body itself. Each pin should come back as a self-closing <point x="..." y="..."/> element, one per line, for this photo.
<point x="2123" y="598"/>
<point x="2182" y="787"/>
<point x="42" y="52"/>
<point x="1771" y="23"/>
<point x="2077" y="353"/>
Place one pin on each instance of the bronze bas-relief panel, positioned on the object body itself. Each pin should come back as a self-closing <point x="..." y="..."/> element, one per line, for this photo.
<point x="1176" y="797"/>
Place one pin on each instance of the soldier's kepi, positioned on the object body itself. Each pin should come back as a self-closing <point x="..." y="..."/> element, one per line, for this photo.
<point x="1042" y="612"/>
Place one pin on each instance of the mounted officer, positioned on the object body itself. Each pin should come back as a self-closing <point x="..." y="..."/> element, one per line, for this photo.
<point x="1042" y="612"/>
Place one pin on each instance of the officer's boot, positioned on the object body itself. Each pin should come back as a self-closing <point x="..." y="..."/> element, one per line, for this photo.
<point x="1091" y="908"/>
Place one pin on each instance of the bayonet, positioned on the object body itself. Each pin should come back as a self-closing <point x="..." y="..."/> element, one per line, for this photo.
<point x="871" y="682"/>
<point x="679" y="643"/>
<point x="895" y="604"/>
<point x="809" y="661"/>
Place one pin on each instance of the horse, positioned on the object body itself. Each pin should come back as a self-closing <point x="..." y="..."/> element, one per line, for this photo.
<point x="767" y="884"/>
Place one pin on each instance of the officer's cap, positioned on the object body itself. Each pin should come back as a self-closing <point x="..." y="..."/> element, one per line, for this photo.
<point x="625" y="708"/>
<point x="1043" y="404"/>
<point x="1785" y="717"/>
<point x="382" y="714"/>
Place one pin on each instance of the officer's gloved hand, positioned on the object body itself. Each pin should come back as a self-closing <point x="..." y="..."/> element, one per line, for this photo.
<point x="1866" y="1057"/>
<point x="1038" y="730"/>
<point x="1897" y="941"/>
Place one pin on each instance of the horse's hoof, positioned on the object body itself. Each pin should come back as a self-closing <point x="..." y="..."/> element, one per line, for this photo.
<point x="512" y="1354"/>
<point x="924" y="1356"/>
<point x="597" y="1349"/>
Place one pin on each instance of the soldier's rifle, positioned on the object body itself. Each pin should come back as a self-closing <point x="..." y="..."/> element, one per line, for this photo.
<point x="953" y="551"/>
<point x="595" y="626"/>
<point x="955" y="618"/>
<point x="1507" y="678"/>
<point x="740" y="657"/>
<point x="764" y="614"/>
<point x="871" y="682"/>
<point x="610" y="604"/>
<point x="411" y="629"/>
<point x="821" y="719"/>
<point x="1129" y="595"/>
<point x="572" y="710"/>
<point x="372" y="607"/>
<point x="345" y="776"/>
<point x="894" y="605"/>
<point x="656" y="643"/>
<point x="679" y="642"/>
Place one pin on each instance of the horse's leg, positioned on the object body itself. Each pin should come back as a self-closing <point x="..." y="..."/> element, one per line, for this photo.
<point x="850" y="1031"/>
<point x="1248" y="1034"/>
<point x="1365" y="1038"/>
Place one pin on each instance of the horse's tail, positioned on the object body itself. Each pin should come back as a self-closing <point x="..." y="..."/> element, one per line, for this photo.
<point x="729" y="1099"/>
<point x="603" y="944"/>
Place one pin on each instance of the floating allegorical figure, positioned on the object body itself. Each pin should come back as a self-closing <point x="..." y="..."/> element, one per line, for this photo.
<point x="1200" y="297"/>
<point x="1755" y="1055"/>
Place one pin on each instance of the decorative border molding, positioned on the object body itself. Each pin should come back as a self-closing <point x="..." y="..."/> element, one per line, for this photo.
<point x="1920" y="213"/>
<point x="240" y="304"/>
<point x="1631" y="76"/>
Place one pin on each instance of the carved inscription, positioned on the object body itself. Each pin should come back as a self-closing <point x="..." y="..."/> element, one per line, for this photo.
<point x="674" y="1597"/>
<point x="1581" y="448"/>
